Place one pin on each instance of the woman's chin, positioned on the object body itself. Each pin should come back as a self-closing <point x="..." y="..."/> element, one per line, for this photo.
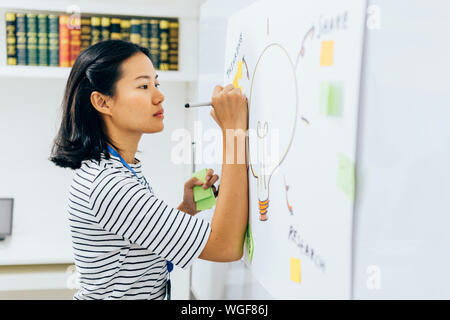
<point x="156" y="128"/>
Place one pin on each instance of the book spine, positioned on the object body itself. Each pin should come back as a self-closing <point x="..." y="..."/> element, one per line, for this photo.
<point x="85" y="33"/>
<point x="42" y="40"/>
<point x="144" y="33"/>
<point x="154" y="42"/>
<point x="125" y="25"/>
<point x="164" y="44"/>
<point x="53" y="40"/>
<point x="32" y="48"/>
<point x="135" y="31"/>
<point x="21" y="38"/>
<point x="115" y="29"/>
<point x="64" y="45"/>
<point x="105" y="28"/>
<point x="74" y="38"/>
<point x="11" y="54"/>
<point x="95" y="30"/>
<point x="173" y="44"/>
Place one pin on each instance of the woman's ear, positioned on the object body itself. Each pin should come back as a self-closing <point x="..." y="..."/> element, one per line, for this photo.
<point x="101" y="102"/>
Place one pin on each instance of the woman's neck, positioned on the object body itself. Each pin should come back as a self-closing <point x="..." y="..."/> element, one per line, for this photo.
<point x="127" y="155"/>
<point x="127" y="147"/>
<point x="126" y="142"/>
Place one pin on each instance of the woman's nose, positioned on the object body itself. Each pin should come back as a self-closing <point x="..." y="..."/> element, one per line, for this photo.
<point x="159" y="97"/>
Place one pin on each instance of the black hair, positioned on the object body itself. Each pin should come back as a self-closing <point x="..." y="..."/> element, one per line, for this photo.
<point x="81" y="135"/>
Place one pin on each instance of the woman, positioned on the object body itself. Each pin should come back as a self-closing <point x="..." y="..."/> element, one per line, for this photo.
<point x="124" y="237"/>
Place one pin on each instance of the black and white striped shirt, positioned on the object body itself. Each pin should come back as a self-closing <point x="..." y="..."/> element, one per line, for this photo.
<point x="122" y="233"/>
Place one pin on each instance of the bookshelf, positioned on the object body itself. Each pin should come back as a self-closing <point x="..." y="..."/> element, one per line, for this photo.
<point x="36" y="72"/>
<point x="185" y="11"/>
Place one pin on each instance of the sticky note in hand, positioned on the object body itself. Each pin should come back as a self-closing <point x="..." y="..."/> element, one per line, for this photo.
<point x="204" y="198"/>
<point x="206" y="203"/>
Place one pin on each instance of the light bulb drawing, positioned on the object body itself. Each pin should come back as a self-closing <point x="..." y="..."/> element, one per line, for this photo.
<point x="286" y="186"/>
<point x="274" y="60"/>
<point x="282" y="84"/>
<point x="263" y="186"/>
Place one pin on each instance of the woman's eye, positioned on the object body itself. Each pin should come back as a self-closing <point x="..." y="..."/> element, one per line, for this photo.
<point x="157" y="85"/>
<point x="145" y="86"/>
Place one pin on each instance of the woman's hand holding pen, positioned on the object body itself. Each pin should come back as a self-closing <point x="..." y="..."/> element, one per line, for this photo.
<point x="188" y="205"/>
<point x="229" y="108"/>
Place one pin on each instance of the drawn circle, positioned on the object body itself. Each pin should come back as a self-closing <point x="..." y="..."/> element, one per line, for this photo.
<point x="273" y="93"/>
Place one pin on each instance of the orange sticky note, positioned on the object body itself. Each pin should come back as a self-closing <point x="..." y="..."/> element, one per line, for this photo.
<point x="326" y="53"/>
<point x="295" y="270"/>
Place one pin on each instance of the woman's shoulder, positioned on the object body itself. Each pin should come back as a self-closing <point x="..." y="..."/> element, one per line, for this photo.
<point x="92" y="168"/>
<point x="93" y="172"/>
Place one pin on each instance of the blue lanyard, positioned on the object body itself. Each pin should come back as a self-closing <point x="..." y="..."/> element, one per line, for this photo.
<point x="168" y="263"/>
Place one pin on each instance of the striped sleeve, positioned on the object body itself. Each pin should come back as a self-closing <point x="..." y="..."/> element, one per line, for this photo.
<point x="125" y="207"/>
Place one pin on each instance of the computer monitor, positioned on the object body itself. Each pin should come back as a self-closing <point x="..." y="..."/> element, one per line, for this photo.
<point x="6" y="212"/>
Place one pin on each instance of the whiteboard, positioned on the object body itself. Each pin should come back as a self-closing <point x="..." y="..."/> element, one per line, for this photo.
<point x="399" y="239"/>
<point x="300" y="215"/>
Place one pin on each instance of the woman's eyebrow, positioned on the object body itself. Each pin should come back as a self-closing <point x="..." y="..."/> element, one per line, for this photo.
<point x="145" y="76"/>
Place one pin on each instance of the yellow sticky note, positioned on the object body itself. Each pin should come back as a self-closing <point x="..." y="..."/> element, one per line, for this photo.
<point x="326" y="53"/>
<point x="238" y="76"/>
<point x="295" y="270"/>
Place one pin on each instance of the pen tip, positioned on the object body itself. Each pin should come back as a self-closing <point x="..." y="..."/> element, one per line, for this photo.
<point x="186" y="105"/>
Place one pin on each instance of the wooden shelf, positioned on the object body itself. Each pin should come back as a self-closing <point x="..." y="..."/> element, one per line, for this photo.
<point x="35" y="72"/>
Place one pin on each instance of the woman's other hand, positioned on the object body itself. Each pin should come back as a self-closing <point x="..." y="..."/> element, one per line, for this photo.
<point x="188" y="205"/>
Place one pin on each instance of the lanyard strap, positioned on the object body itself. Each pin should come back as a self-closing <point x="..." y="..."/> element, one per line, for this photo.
<point x="116" y="154"/>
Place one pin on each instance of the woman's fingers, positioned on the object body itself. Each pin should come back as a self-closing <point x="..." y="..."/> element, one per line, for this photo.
<point x="192" y="182"/>
<point x="209" y="174"/>
<point x="230" y="107"/>
<point x="217" y="90"/>
<point x="228" y="88"/>
<point x="211" y="181"/>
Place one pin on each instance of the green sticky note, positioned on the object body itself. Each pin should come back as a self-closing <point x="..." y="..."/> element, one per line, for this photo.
<point x="249" y="243"/>
<point x="346" y="176"/>
<point x="330" y="98"/>
<point x="206" y="203"/>
<point x="204" y="198"/>
<point x="200" y="175"/>
<point x="199" y="192"/>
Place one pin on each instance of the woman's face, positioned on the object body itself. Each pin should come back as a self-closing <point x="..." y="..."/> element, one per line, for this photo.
<point x="137" y="103"/>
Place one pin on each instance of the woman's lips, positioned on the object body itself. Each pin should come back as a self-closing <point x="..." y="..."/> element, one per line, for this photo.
<point x="159" y="114"/>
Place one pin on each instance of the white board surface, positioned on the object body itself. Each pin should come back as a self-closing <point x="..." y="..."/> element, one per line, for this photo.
<point x="300" y="218"/>
<point x="400" y="238"/>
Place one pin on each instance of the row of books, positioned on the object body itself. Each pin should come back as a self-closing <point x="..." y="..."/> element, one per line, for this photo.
<point x="57" y="39"/>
